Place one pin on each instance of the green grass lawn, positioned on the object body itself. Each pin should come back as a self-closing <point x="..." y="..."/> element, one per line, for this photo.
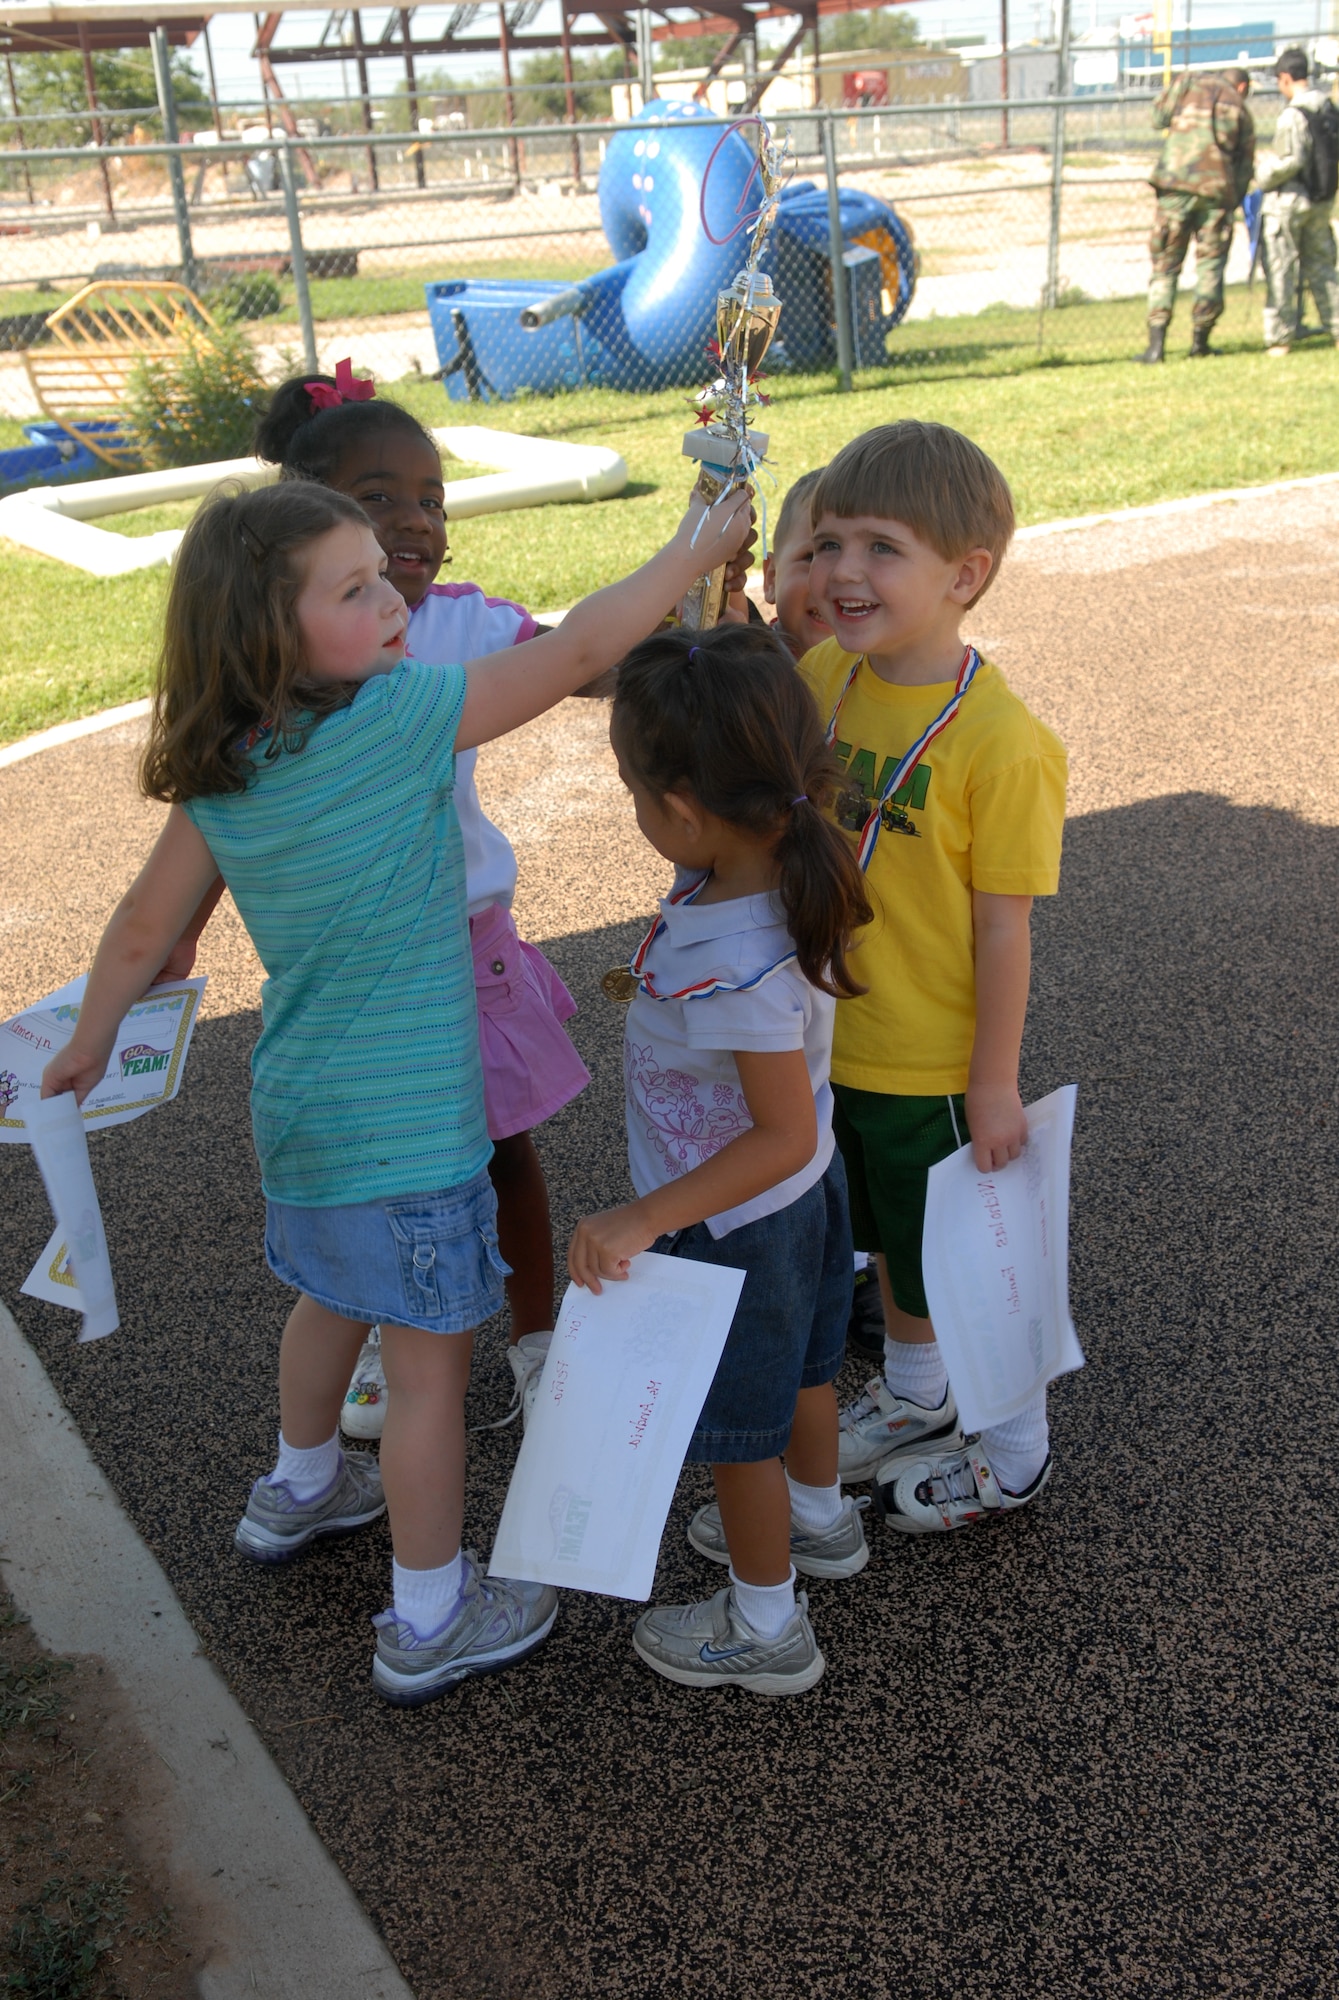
<point x="1074" y="425"/>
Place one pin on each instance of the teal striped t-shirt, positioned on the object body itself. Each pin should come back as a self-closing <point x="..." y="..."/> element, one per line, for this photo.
<point x="345" y="861"/>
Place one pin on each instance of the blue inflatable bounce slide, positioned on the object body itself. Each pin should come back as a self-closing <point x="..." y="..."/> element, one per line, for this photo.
<point x="644" y="322"/>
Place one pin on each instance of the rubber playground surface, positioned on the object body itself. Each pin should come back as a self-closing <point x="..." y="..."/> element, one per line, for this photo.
<point x="1090" y="1751"/>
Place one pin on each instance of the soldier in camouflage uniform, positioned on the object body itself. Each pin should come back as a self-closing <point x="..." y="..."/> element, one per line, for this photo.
<point x="1297" y="232"/>
<point x="1203" y="171"/>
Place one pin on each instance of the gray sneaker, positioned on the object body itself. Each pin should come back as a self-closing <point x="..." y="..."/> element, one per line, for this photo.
<point x="495" y="1624"/>
<point x="879" y="1426"/>
<point x="277" y="1527"/>
<point x="838" y="1551"/>
<point x="709" y="1645"/>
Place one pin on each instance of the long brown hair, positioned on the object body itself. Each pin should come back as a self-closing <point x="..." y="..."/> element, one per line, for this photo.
<point x="232" y="658"/>
<point x="725" y="716"/>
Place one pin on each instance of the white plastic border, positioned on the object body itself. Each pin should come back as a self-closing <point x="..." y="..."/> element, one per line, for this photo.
<point x="530" y="472"/>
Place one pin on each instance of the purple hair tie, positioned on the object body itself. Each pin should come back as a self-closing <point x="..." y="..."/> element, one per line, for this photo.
<point x="693" y="652"/>
<point x="802" y="800"/>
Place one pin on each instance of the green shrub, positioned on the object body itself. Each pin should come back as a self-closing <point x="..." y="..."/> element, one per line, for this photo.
<point x="247" y="295"/>
<point x="200" y="405"/>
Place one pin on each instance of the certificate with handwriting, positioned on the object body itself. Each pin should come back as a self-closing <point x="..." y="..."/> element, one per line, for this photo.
<point x="625" y="1380"/>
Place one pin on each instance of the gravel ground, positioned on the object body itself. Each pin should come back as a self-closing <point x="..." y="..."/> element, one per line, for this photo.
<point x="1092" y="1751"/>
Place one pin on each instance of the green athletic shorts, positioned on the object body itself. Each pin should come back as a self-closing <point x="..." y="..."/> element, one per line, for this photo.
<point x="889" y="1145"/>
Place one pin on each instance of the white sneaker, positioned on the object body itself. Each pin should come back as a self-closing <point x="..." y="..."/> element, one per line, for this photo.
<point x="364" y="1411"/>
<point x="956" y="1489"/>
<point x="526" y="1360"/>
<point x="879" y="1425"/>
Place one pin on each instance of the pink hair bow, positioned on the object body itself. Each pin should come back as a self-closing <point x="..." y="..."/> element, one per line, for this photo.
<point x="347" y="388"/>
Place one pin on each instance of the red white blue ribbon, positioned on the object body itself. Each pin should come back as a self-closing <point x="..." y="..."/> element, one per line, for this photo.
<point x="869" y="836"/>
<point x="701" y="989"/>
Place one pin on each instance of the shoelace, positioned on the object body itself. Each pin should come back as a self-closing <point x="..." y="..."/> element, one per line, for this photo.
<point x="952" y="1482"/>
<point x="500" y="1423"/>
<point x="855" y="1413"/>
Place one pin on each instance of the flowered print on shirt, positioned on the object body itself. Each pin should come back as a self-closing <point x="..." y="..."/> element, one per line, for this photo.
<point x="683" y="1130"/>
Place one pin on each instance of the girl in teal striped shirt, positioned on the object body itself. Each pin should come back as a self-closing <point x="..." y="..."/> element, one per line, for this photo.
<point x="312" y="766"/>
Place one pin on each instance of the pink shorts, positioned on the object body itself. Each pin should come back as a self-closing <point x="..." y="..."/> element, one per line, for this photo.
<point x="530" y="1066"/>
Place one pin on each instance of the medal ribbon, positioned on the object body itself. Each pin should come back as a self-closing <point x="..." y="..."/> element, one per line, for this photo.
<point x="701" y="988"/>
<point x="869" y="836"/>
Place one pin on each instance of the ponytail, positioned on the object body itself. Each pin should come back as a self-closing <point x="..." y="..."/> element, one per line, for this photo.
<point x="724" y="715"/>
<point x="310" y="426"/>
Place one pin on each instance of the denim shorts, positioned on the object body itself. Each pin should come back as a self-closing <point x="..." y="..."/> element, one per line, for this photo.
<point x="425" y="1260"/>
<point x="789" y="1329"/>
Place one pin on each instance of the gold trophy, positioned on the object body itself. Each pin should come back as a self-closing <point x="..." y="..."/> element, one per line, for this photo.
<point x="726" y="450"/>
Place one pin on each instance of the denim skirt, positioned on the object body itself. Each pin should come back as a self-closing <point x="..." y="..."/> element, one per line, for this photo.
<point x="425" y="1260"/>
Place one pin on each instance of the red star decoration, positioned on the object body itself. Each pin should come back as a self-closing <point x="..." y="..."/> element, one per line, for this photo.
<point x="705" y="417"/>
<point x="714" y="349"/>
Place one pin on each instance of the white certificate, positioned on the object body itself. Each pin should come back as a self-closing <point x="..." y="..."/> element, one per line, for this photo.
<point x="625" y="1380"/>
<point x="148" y="1058"/>
<point x="995" y="1257"/>
<point x="60" y="1147"/>
<point x="52" y="1276"/>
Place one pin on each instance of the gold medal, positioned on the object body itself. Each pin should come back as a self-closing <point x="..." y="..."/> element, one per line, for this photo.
<point x="619" y="985"/>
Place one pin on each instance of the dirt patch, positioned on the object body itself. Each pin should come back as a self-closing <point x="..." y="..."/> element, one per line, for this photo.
<point x="84" y="1914"/>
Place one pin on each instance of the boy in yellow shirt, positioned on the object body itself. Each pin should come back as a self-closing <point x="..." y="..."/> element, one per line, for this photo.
<point x="955" y="796"/>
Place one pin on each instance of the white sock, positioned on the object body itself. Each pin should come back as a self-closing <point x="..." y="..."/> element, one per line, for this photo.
<point x="425" y="1598"/>
<point x="914" y="1369"/>
<point x="815" y="1508"/>
<point x="766" y="1608"/>
<point x="1017" y="1450"/>
<point x="307" y="1471"/>
<point x="861" y="1259"/>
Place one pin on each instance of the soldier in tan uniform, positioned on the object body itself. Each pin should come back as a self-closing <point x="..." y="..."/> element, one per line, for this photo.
<point x="1297" y="179"/>
<point x="1203" y="171"/>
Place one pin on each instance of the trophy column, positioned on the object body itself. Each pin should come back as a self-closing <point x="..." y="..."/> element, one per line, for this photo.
<point x="726" y="449"/>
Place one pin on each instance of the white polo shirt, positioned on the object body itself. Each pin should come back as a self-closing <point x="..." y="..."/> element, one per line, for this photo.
<point x="683" y="1095"/>
<point x="456" y="622"/>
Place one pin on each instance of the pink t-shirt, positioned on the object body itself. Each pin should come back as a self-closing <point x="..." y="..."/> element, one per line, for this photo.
<point x="454" y="623"/>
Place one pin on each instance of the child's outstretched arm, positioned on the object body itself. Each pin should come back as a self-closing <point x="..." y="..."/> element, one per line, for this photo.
<point x="145" y="926"/>
<point x="1003" y="970"/>
<point x="781" y="1140"/>
<point x="506" y="689"/>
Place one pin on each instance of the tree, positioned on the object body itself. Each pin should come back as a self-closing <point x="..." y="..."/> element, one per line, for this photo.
<point x="125" y="83"/>
<point x="883" y="28"/>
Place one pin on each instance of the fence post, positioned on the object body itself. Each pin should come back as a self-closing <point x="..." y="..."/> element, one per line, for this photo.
<point x="836" y="255"/>
<point x="297" y="254"/>
<point x="1052" y="294"/>
<point x="162" y="73"/>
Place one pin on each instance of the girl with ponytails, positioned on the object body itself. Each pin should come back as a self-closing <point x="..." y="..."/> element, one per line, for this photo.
<point x="729" y="1119"/>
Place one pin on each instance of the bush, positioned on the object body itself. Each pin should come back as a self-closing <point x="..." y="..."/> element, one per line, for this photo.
<point x="249" y="295"/>
<point x="199" y="406"/>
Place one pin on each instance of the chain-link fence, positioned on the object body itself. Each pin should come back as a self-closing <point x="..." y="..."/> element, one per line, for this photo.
<point x="536" y="259"/>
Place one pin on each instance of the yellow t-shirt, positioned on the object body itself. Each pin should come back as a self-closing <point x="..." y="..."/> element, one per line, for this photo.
<point x="987" y="802"/>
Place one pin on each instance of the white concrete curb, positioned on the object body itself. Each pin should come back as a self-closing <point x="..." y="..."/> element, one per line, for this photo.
<point x="70" y="732"/>
<point x="278" y="1919"/>
<point x="58" y="521"/>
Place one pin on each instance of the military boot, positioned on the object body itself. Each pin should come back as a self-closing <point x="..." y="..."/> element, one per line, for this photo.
<point x="1157" y="340"/>
<point x="1199" y="342"/>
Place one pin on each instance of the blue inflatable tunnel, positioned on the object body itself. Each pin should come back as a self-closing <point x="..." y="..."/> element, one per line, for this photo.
<point x="645" y="322"/>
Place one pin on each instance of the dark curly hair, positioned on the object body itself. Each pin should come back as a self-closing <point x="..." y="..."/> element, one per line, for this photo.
<point x="309" y="443"/>
<point x="724" y="715"/>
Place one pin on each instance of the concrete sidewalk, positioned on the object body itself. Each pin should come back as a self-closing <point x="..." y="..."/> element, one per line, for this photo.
<point x="248" y="1876"/>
